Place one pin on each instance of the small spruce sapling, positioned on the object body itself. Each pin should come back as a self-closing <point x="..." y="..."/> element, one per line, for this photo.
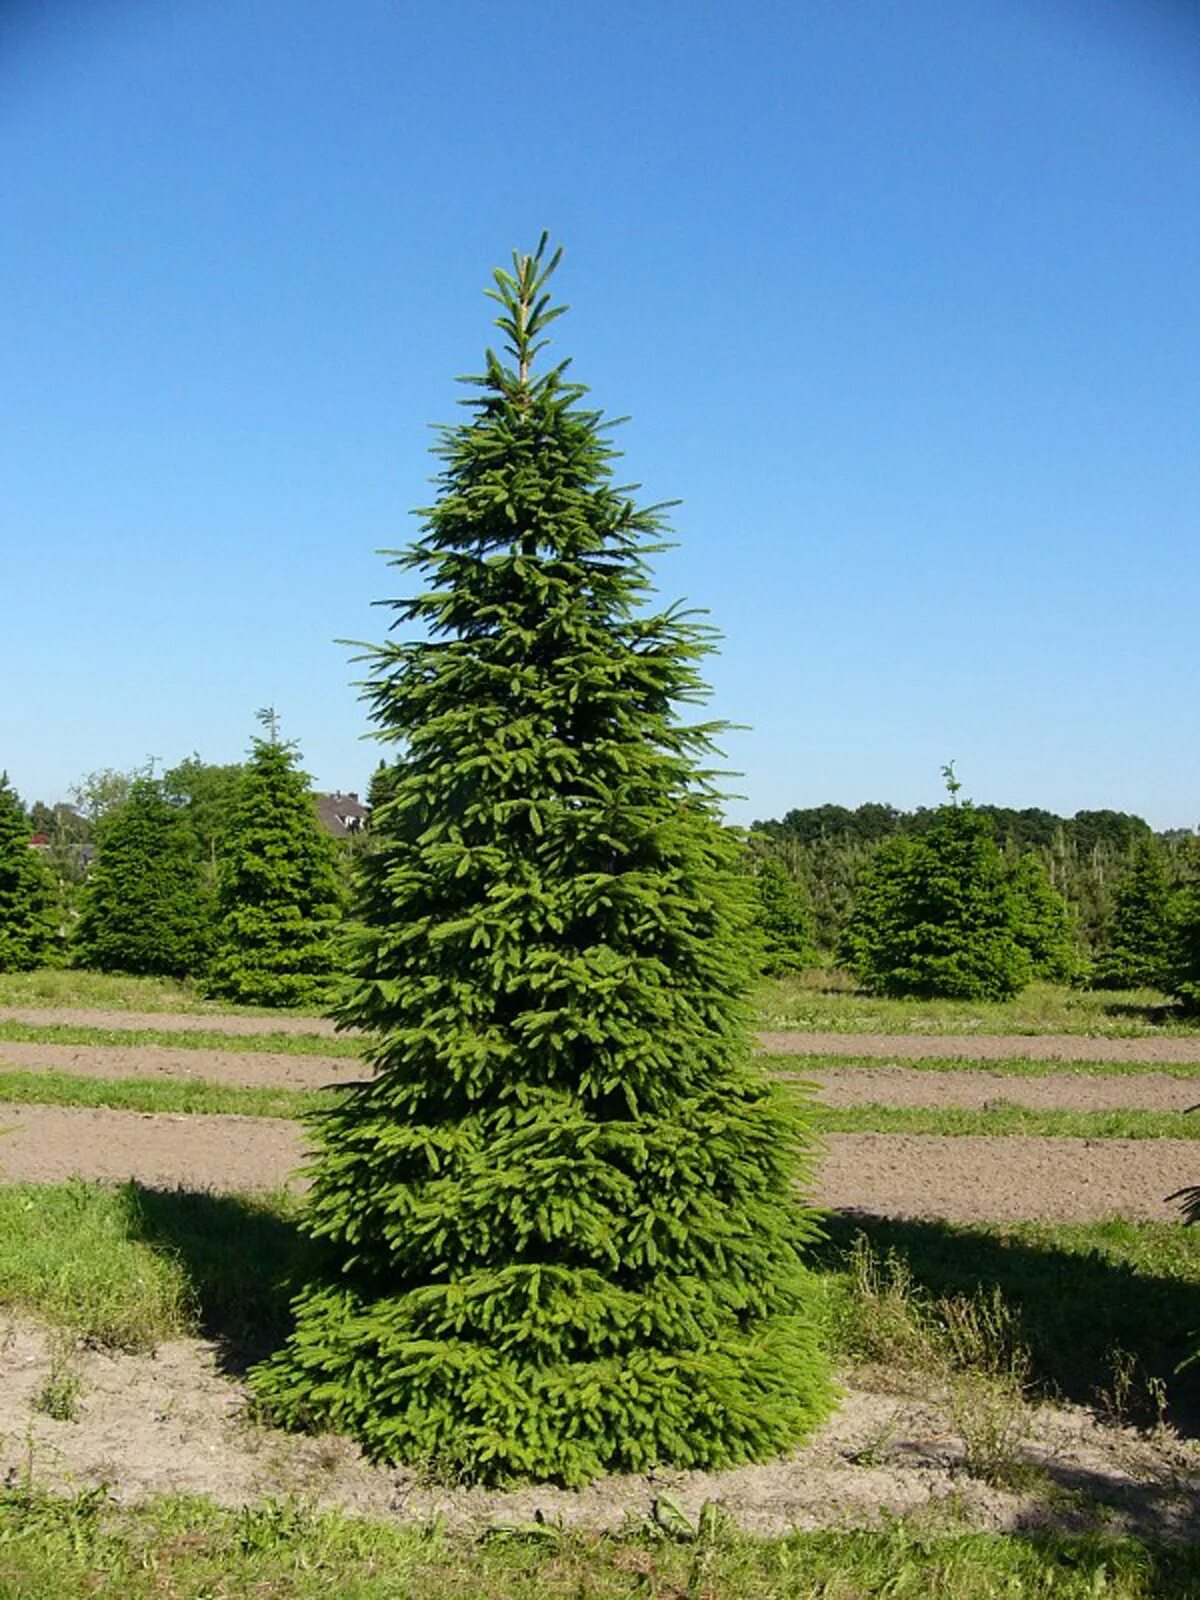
<point x="28" y="892"/>
<point x="936" y="916"/>
<point x="1136" y="949"/>
<point x="279" y="898"/>
<point x="145" y="908"/>
<point x="784" y="918"/>
<point x="558" y="1230"/>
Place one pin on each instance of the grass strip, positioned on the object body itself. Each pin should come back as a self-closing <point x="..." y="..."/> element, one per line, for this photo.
<point x="128" y="1267"/>
<point x="794" y="1066"/>
<point x="1005" y="1119"/>
<point x="168" y="1095"/>
<point x="176" y="1096"/>
<point x="86" y="1546"/>
<point x="285" y="1044"/>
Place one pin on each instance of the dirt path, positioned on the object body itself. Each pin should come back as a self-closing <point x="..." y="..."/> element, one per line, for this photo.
<point x="165" y="1021"/>
<point x="964" y="1179"/>
<point x="47" y="1144"/>
<point x="170" y="1423"/>
<point x="1006" y="1179"/>
<point x="245" y="1069"/>
<point x="849" y="1086"/>
<point x="981" y="1090"/>
<point x="984" y="1047"/>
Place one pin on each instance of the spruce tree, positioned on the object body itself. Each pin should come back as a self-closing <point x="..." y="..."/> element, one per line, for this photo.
<point x="1136" y="950"/>
<point x="784" y="917"/>
<point x="936" y="915"/>
<point x="558" y="1231"/>
<point x="279" y="897"/>
<point x="1045" y="927"/>
<point x="28" y="892"/>
<point x="145" y="907"/>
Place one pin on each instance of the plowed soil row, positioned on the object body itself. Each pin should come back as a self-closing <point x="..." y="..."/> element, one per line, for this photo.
<point x="848" y="1086"/>
<point x="974" y="1047"/>
<point x="963" y="1179"/>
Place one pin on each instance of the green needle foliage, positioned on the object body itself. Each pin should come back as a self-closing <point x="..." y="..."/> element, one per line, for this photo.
<point x="1136" y="951"/>
<point x="559" y="1232"/>
<point x="937" y="916"/>
<point x="784" y="916"/>
<point x="1045" y="927"/>
<point x="145" y="908"/>
<point x="28" y="892"/>
<point x="279" y="899"/>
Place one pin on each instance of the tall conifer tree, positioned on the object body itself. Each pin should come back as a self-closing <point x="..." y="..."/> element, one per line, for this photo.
<point x="559" y="1229"/>
<point x="279" y="899"/>
<point x="28" y="893"/>
<point x="1136" y="950"/>
<point x="146" y="908"/>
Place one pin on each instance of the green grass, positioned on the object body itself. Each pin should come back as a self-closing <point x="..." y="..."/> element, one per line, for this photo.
<point x="179" y="1549"/>
<point x="199" y="1097"/>
<point x="130" y="1267"/>
<point x="287" y="1044"/>
<point x="799" y="1066"/>
<point x="1004" y="1119"/>
<point x="110" y="991"/>
<point x="827" y="1002"/>
<point x="156" y="1094"/>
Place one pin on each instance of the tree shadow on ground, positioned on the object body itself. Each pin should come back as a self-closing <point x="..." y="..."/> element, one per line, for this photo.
<point x="242" y="1256"/>
<point x="1123" y="1289"/>
<point x="1157" y="1014"/>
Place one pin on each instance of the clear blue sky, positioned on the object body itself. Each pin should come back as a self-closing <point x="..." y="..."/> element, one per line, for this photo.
<point x="903" y="297"/>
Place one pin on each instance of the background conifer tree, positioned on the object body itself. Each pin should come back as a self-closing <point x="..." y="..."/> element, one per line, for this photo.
<point x="145" y="907"/>
<point x="783" y="914"/>
<point x="279" y="896"/>
<point x="937" y="914"/>
<point x="1136" y="950"/>
<point x="28" y="892"/>
<point x="559" y="1228"/>
<point x="1045" y="927"/>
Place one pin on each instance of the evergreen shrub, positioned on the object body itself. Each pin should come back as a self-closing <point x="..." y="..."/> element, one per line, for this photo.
<point x="145" y="908"/>
<point x="29" y="931"/>
<point x="559" y="1230"/>
<point x="280" y="900"/>
<point x="936" y="915"/>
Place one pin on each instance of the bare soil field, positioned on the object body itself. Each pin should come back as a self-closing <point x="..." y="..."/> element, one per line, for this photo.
<point x="47" y="1144"/>
<point x="960" y="1178"/>
<point x="166" y="1021"/>
<point x="172" y="1423"/>
<point x="241" y="1069"/>
<point x="982" y="1047"/>
<point x="849" y="1086"/>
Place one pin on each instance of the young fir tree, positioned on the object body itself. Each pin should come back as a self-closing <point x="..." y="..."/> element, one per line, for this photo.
<point x="784" y="917"/>
<point x="28" y="892"/>
<point x="145" y="907"/>
<point x="1045" y="927"/>
<point x="936" y="914"/>
<point x="560" y="1229"/>
<point x="279" y="895"/>
<point x="1136" y="950"/>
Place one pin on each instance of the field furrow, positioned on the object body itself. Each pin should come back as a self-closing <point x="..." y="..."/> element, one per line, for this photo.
<point x="960" y="1178"/>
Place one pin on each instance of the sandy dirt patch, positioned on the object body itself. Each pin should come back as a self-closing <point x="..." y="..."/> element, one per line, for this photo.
<point x="982" y="1047"/>
<point x="242" y="1069"/>
<point x="964" y="1179"/>
<point x="885" y="1084"/>
<point x="47" y="1144"/>
<point x="172" y="1423"/>
<point x="165" y="1021"/>
<point x="1007" y="1178"/>
<point x="982" y="1090"/>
